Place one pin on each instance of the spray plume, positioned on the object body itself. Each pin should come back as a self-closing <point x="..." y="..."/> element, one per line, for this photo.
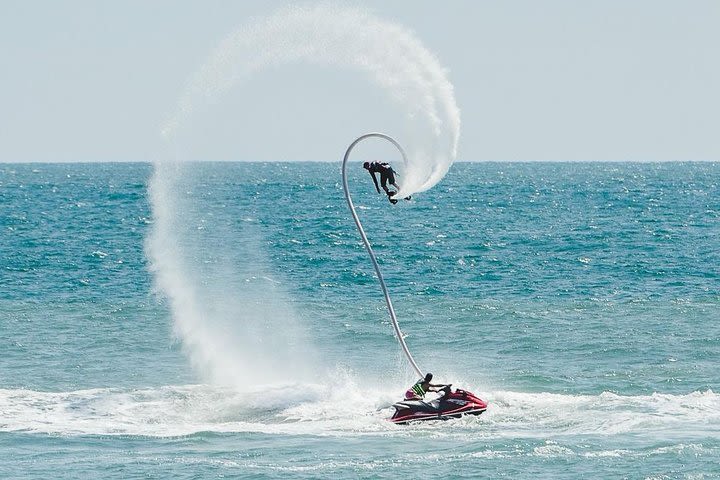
<point x="230" y="317"/>
<point x="388" y="54"/>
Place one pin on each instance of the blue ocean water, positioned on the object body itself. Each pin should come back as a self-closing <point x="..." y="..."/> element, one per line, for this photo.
<point x="579" y="299"/>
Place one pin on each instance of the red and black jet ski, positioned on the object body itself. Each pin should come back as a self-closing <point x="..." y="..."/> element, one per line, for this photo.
<point x="449" y="405"/>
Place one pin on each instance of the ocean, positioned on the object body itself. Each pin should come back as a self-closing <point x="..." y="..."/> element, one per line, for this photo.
<point x="226" y="322"/>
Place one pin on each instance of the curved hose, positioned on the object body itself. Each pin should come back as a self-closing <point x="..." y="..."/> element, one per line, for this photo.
<point x="398" y="333"/>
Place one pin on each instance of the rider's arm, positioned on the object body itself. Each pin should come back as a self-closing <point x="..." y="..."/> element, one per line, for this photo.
<point x="372" y="174"/>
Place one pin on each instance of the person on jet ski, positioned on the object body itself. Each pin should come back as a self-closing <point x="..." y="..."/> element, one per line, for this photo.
<point x="418" y="391"/>
<point x="387" y="175"/>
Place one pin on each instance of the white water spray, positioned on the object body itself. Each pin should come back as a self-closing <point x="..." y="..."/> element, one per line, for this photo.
<point x="388" y="54"/>
<point x="238" y="332"/>
<point x="235" y="320"/>
<point x="343" y="411"/>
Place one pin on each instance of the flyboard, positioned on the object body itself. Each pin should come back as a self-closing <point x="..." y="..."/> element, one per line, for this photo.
<point x="450" y="404"/>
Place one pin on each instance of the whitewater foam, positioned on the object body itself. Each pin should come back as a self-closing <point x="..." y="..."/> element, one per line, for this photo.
<point x="346" y="409"/>
<point x="604" y="414"/>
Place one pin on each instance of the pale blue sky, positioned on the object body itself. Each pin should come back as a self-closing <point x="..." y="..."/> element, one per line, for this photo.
<point x="535" y="80"/>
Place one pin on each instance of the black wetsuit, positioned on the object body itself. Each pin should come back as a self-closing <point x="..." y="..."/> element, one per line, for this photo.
<point x="387" y="175"/>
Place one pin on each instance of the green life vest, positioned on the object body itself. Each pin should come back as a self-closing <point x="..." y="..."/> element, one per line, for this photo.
<point x="417" y="388"/>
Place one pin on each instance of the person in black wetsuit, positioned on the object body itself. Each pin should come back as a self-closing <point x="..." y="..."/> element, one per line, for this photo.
<point x="387" y="175"/>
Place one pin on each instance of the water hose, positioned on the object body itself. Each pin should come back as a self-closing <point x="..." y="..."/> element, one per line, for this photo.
<point x="369" y="249"/>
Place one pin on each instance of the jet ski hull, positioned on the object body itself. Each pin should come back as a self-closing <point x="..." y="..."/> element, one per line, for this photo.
<point x="451" y="405"/>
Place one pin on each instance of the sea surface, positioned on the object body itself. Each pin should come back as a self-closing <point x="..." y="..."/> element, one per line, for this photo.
<point x="231" y="326"/>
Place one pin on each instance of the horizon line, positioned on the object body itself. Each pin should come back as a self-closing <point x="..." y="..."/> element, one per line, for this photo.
<point x="150" y="162"/>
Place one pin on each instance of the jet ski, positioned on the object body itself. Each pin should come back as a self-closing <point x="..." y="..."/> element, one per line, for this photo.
<point x="452" y="404"/>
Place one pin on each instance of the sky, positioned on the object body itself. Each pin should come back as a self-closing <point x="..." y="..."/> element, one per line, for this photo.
<point x="554" y="80"/>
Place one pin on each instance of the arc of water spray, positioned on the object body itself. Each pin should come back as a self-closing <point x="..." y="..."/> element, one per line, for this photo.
<point x="389" y="55"/>
<point x="369" y="249"/>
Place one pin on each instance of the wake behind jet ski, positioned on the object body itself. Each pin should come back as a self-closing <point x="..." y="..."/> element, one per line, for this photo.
<point x="449" y="405"/>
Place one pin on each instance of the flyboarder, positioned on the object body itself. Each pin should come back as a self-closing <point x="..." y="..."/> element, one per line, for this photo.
<point x="387" y="175"/>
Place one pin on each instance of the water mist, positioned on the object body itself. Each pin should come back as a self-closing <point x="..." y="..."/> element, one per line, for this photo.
<point x="233" y="319"/>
